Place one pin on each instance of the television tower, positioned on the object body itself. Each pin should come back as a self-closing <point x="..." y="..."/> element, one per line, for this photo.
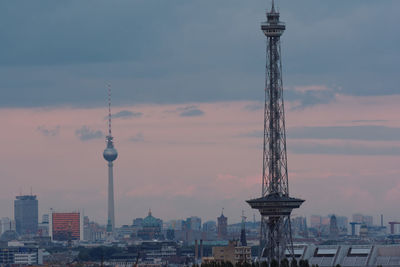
<point x="274" y="205"/>
<point x="110" y="154"/>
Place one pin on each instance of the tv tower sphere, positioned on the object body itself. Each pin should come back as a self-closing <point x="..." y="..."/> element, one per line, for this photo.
<point x="110" y="153"/>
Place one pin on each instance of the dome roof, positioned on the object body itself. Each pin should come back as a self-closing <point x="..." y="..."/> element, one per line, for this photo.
<point x="151" y="221"/>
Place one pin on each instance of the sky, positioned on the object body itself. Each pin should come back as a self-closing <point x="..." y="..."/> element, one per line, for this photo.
<point x="187" y="80"/>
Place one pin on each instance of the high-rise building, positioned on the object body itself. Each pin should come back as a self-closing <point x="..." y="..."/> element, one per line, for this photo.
<point x="7" y="224"/>
<point x="363" y="219"/>
<point x="209" y="226"/>
<point x="299" y="226"/>
<point x="326" y="220"/>
<point x="66" y="226"/>
<point x="333" y="228"/>
<point x="193" y="223"/>
<point x="358" y="218"/>
<point x="222" y="227"/>
<point x="275" y="205"/>
<point x="45" y="218"/>
<point x="342" y="222"/>
<point x="43" y="227"/>
<point x="368" y="220"/>
<point x="315" y="221"/>
<point x="26" y="214"/>
<point x="110" y="154"/>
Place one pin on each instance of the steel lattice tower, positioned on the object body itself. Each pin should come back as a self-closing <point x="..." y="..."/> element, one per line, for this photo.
<point x="274" y="205"/>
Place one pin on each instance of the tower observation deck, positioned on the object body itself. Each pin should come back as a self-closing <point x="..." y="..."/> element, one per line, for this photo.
<point x="275" y="205"/>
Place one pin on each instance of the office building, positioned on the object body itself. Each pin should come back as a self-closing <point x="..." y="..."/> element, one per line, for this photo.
<point x="17" y="253"/>
<point x="66" y="226"/>
<point x="7" y="224"/>
<point x="193" y="223"/>
<point x="232" y="253"/>
<point x="26" y="215"/>
<point x="210" y="226"/>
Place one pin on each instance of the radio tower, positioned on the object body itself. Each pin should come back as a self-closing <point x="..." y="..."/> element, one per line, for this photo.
<point x="110" y="154"/>
<point x="274" y="205"/>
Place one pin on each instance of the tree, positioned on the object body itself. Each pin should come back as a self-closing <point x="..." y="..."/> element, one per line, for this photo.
<point x="285" y="263"/>
<point x="293" y="263"/>
<point x="304" y="263"/>
<point x="264" y="264"/>
<point x="274" y="263"/>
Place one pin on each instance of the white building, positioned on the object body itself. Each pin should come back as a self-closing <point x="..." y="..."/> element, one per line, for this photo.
<point x="350" y="255"/>
<point x="18" y="253"/>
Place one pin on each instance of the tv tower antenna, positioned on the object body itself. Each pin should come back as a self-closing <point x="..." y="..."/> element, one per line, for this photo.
<point x="109" y="110"/>
<point x="274" y="205"/>
<point x="110" y="154"/>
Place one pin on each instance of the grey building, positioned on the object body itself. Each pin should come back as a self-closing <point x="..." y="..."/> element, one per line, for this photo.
<point x="26" y="214"/>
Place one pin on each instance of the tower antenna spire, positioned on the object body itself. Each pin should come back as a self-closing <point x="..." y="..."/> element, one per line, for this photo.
<point x="109" y="109"/>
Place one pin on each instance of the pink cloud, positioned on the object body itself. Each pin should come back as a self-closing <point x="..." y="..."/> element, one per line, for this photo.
<point x="304" y="89"/>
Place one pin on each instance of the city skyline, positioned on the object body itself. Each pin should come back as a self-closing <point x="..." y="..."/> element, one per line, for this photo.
<point x="195" y="128"/>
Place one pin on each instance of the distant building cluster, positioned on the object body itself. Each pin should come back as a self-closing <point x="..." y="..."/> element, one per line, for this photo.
<point x="150" y="240"/>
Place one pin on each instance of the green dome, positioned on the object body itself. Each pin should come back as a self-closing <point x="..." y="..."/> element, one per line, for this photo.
<point x="150" y="221"/>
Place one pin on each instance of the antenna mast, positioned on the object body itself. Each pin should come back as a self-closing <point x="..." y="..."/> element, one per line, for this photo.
<point x="109" y="109"/>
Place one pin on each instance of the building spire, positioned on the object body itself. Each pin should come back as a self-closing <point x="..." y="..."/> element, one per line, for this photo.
<point x="273" y="7"/>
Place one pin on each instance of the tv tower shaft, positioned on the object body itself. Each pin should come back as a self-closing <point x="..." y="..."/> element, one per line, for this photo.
<point x="110" y="154"/>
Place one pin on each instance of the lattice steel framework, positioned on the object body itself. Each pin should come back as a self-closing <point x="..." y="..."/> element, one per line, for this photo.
<point x="275" y="205"/>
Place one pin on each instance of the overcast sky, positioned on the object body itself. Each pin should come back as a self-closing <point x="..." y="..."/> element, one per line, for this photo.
<point x="187" y="79"/>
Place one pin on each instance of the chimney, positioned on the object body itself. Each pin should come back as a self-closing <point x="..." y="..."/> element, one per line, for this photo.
<point x="196" y="251"/>
<point x="201" y="249"/>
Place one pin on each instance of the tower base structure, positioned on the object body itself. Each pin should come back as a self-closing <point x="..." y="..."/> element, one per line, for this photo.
<point x="275" y="236"/>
